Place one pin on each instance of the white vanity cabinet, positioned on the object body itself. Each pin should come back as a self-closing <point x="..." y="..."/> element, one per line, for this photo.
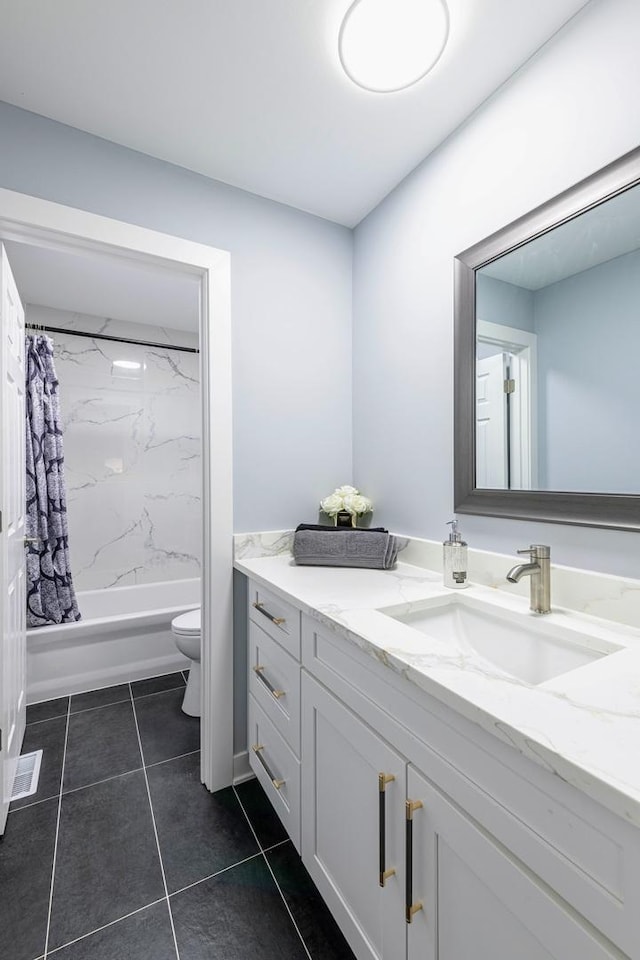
<point x="397" y="802"/>
<point x="451" y="891"/>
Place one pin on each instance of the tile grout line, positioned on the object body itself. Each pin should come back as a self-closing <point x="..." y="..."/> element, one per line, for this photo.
<point x="104" y="926"/>
<point x="155" y="829"/>
<point x="212" y="876"/>
<point x="34" y="803"/>
<point x="274" y="846"/>
<point x="34" y="723"/>
<point x="95" y="783"/>
<point x="181" y="756"/>
<point x="287" y="908"/>
<point x="99" y="706"/>
<point x="81" y="693"/>
<point x="158" y="693"/>
<point x="273" y="876"/>
<point x="153" y="903"/>
<point x="55" y="845"/>
<point x="246" y="816"/>
<point x="238" y="863"/>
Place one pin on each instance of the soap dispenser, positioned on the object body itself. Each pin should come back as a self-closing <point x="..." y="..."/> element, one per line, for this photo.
<point x="454" y="559"/>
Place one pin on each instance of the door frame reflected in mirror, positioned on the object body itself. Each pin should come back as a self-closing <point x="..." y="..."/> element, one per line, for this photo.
<point x="521" y="433"/>
<point x="609" y="510"/>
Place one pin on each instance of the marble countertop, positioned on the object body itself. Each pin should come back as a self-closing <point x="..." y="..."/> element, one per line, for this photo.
<point x="583" y="726"/>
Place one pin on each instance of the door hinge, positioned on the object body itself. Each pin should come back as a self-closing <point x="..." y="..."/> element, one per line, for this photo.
<point x="509" y="386"/>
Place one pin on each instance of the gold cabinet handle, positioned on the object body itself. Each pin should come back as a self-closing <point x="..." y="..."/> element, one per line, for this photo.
<point x="384" y="873"/>
<point x="259" y="672"/>
<point x="260" y="608"/>
<point x="257" y="748"/>
<point x="410" y="907"/>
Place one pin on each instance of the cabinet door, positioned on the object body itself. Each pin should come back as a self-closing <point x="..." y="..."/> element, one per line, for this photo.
<point x="353" y="824"/>
<point x="476" y="899"/>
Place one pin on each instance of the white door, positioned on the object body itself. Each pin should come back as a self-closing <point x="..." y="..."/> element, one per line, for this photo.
<point x="12" y="530"/>
<point x="492" y="451"/>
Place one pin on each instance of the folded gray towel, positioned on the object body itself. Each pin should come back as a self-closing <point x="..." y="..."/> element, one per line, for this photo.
<point x="346" y="548"/>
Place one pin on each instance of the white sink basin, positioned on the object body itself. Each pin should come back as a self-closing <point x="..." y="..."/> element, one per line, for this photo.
<point x="525" y="646"/>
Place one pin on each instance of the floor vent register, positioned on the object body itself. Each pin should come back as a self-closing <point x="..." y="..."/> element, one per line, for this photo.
<point x="27" y="775"/>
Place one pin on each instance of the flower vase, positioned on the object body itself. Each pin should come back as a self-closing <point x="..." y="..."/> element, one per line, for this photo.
<point x="345" y="519"/>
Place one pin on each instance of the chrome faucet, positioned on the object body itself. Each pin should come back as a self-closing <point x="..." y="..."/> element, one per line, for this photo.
<point x="539" y="569"/>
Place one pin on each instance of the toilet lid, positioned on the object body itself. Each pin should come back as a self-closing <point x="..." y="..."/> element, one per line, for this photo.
<point x="187" y="623"/>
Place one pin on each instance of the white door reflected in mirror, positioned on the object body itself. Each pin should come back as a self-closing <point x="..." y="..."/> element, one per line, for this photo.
<point x="506" y="385"/>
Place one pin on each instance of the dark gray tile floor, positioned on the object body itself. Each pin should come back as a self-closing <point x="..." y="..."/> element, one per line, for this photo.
<point x="124" y="854"/>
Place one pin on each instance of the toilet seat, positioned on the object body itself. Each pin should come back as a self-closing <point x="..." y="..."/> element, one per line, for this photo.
<point x="187" y="624"/>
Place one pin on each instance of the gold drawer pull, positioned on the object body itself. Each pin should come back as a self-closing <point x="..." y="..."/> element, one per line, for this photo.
<point x="274" y="780"/>
<point x="410" y="907"/>
<point x="259" y="671"/>
<point x="260" y="608"/>
<point x="384" y="873"/>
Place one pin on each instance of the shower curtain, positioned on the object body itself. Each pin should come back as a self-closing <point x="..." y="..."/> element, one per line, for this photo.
<point x="50" y="594"/>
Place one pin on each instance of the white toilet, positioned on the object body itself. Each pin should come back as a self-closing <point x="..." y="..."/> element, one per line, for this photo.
<point x="186" y="630"/>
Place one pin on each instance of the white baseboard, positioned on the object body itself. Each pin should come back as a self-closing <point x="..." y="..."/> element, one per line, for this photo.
<point x="241" y="769"/>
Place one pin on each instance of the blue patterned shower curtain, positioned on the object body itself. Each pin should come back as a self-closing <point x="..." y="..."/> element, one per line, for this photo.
<point x="50" y="594"/>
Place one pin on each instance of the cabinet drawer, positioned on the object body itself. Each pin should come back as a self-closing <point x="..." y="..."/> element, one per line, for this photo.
<point x="278" y="618"/>
<point x="277" y="769"/>
<point x="274" y="681"/>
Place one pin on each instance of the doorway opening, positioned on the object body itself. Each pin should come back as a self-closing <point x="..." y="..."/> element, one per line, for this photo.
<point x="54" y="231"/>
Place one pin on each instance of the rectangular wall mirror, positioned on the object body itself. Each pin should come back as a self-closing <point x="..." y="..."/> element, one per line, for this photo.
<point x="547" y="360"/>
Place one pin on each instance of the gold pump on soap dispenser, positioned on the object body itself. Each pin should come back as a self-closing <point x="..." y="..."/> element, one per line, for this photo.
<point x="454" y="559"/>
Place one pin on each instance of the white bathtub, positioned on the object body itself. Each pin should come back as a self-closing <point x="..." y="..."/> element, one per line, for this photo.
<point x="124" y="634"/>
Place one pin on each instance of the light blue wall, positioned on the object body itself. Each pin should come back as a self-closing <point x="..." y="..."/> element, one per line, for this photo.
<point x="505" y="303"/>
<point x="291" y="303"/>
<point x="573" y="108"/>
<point x="291" y="279"/>
<point x="588" y="329"/>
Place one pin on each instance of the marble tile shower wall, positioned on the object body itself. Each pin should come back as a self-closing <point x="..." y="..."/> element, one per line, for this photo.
<point x="132" y="454"/>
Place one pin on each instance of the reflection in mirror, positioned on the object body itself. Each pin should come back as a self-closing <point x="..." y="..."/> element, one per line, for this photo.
<point x="558" y="357"/>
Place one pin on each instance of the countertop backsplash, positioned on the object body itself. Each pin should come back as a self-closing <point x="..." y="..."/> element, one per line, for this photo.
<point x="597" y="594"/>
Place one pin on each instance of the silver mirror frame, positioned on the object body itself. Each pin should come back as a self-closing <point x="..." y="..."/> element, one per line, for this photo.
<point x="615" y="511"/>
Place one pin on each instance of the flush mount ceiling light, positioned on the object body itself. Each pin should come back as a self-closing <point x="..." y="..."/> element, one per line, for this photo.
<point x="388" y="45"/>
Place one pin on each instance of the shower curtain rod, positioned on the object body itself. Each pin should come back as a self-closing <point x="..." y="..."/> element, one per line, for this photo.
<point x="105" y="336"/>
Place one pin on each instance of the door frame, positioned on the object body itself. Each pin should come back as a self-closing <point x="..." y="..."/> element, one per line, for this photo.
<point x="41" y="222"/>
<point x="524" y="423"/>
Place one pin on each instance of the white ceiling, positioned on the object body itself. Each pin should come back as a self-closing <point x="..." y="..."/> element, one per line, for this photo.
<point x="609" y="230"/>
<point x="251" y="92"/>
<point x="105" y="286"/>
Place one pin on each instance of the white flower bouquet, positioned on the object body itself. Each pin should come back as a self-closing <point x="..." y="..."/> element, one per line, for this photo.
<point x="346" y="499"/>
